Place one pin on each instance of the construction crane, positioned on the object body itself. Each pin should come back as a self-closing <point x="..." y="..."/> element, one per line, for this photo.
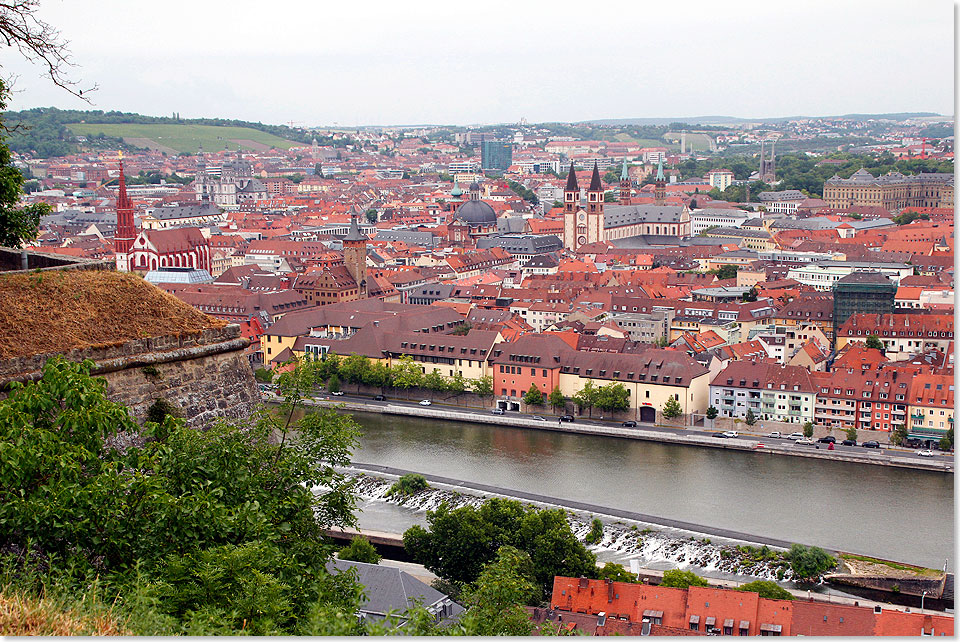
<point x="923" y="149"/>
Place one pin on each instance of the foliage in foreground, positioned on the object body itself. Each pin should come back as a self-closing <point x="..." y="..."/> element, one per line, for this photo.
<point x="215" y="531"/>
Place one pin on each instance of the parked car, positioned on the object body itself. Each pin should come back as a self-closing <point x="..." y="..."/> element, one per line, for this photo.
<point x="566" y="418"/>
<point x="379" y="398"/>
<point x="775" y="435"/>
<point x="925" y="453"/>
<point x="537" y="418"/>
<point x="338" y="393"/>
<point x="425" y="402"/>
<point x="497" y="411"/>
<point x="829" y="439"/>
<point x="629" y="424"/>
<point x="871" y="444"/>
<point x="805" y="441"/>
<point x="731" y="434"/>
<point x="849" y="442"/>
<point x="795" y="435"/>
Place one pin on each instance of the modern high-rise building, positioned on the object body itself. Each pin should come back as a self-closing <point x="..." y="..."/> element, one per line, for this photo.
<point x="496" y="155"/>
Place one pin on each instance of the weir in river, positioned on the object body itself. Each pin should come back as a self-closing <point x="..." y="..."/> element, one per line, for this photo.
<point x="897" y="514"/>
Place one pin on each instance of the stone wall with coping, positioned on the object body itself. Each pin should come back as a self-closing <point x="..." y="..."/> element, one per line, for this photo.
<point x="205" y="375"/>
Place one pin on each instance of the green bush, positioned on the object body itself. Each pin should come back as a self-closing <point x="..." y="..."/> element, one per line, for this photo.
<point x="616" y="572"/>
<point x="675" y="578"/>
<point x="360" y="550"/>
<point x="408" y="485"/>
<point x="767" y="589"/>
<point x="596" y="532"/>
<point x="205" y="531"/>
<point x="263" y="375"/>
<point x="809" y="563"/>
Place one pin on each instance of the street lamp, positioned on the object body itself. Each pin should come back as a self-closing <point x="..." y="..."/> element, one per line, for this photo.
<point x="921" y="600"/>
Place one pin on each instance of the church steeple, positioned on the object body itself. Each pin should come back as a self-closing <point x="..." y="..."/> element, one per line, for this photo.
<point x="595" y="192"/>
<point x="126" y="233"/>
<point x="660" y="185"/>
<point x="571" y="195"/>
<point x="625" y="190"/>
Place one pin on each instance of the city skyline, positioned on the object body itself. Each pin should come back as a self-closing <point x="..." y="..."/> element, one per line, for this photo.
<point x="434" y="65"/>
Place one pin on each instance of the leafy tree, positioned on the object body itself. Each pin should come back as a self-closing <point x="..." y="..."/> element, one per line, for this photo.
<point x="750" y="295"/>
<point x="533" y="396"/>
<point x="333" y="383"/>
<point x="596" y="532"/>
<point x="17" y="224"/>
<point x="354" y="369"/>
<point x="616" y="572"/>
<point x="874" y="342"/>
<point x="675" y="578"/>
<point x="435" y="381"/>
<point x="360" y="550"/>
<point x="852" y="433"/>
<point x="712" y="413"/>
<point x="586" y="397"/>
<point x="556" y="398"/>
<point x="378" y="375"/>
<point x="946" y="442"/>
<point x="725" y="272"/>
<point x="809" y="563"/>
<point x="662" y="341"/>
<point x="482" y="386"/>
<point x="751" y="418"/>
<point x="406" y="374"/>
<point x="899" y="434"/>
<point x="767" y="589"/>
<point x="462" y="329"/>
<point x="672" y="409"/>
<point x="263" y="375"/>
<point x="808" y="429"/>
<point x="372" y="216"/>
<point x="460" y="541"/>
<point x="613" y="397"/>
<point x="457" y="383"/>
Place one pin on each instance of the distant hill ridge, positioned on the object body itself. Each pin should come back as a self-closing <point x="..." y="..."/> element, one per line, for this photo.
<point x="733" y="120"/>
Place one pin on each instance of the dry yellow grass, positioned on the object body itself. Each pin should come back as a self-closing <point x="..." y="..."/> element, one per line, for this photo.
<point x="57" y="311"/>
<point x="21" y="615"/>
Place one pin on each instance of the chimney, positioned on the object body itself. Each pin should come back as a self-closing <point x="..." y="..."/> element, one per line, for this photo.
<point x="584" y="583"/>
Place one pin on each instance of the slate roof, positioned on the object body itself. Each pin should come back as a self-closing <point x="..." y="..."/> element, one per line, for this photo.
<point x="173" y="212"/>
<point x="620" y="215"/>
<point x="388" y="589"/>
<point x="522" y="243"/>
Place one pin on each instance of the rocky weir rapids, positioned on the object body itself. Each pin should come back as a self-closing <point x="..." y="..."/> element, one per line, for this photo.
<point x="653" y="546"/>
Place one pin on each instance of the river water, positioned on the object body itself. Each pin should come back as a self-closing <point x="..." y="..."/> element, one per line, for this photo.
<point x="893" y="513"/>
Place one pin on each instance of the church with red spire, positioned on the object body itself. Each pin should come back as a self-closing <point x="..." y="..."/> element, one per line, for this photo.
<point x="126" y="232"/>
<point x="181" y="247"/>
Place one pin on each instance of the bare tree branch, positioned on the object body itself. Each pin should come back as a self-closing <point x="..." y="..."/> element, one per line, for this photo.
<point x="39" y="42"/>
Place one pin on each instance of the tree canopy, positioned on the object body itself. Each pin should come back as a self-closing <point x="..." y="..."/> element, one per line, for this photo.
<point x="458" y="542"/>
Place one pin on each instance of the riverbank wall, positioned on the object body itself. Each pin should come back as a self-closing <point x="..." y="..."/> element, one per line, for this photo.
<point x="759" y="446"/>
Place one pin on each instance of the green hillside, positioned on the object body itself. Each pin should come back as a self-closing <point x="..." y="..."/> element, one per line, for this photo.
<point x="173" y="138"/>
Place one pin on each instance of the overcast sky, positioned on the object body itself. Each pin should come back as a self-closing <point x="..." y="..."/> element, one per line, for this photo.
<point x="381" y="63"/>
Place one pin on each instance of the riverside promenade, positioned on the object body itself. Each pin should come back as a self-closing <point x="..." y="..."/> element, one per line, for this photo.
<point x="644" y="432"/>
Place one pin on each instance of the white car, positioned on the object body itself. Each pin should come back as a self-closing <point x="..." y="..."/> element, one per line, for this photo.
<point x="338" y="393"/>
<point x="425" y="402"/>
<point x="795" y="435"/>
<point x="731" y="433"/>
<point x="774" y="435"/>
<point x="925" y="453"/>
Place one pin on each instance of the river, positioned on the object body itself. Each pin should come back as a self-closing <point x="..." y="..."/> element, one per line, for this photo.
<point x="892" y="513"/>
